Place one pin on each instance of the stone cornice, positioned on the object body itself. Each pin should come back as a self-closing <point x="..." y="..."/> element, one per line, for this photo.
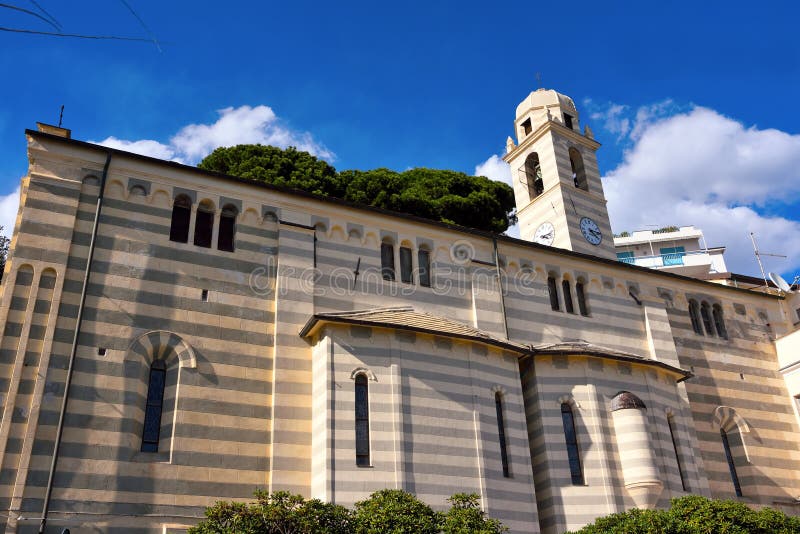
<point x="548" y="126"/>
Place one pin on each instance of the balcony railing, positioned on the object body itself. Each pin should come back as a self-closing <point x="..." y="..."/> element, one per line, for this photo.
<point x="697" y="257"/>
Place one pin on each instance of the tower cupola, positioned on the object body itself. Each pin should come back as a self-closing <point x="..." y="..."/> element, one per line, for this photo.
<point x="557" y="185"/>
<point x="541" y="106"/>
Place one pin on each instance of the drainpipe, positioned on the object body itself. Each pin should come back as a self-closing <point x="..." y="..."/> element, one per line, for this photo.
<point x="500" y="286"/>
<point x="74" y="350"/>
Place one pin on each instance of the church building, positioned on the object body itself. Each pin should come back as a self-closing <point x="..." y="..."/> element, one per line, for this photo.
<point x="172" y="337"/>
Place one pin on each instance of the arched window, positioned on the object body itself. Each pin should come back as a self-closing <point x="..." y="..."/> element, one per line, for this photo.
<point x="552" y="289"/>
<point x="578" y="170"/>
<point x="138" y="191"/>
<point x="580" y="292"/>
<point x="533" y="175"/>
<point x="154" y="406"/>
<point x="694" y="315"/>
<point x="387" y="261"/>
<point x="731" y="465"/>
<point x="204" y="225"/>
<point x="719" y="321"/>
<point x="406" y="265"/>
<point x="362" y="421"/>
<point x="227" y="228"/>
<point x="181" y="213"/>
<point x="501" y="431"/>
<point x="705" y="314"/>
<point x="567" y="289"/>
<point x="571" y="437"/>
<point x="424" y="266"/>
<point x="671" y="424"/>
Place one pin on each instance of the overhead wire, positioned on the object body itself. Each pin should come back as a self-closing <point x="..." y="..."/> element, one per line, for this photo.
<point x="76" y="35"/>
<point x="152" y="35"/>
<point x="52" y="21"/>
<point x="29" y="12"/>
<point x="48" y="15"/>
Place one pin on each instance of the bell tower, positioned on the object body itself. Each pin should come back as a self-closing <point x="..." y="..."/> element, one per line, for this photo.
<point x="557" y="185"/>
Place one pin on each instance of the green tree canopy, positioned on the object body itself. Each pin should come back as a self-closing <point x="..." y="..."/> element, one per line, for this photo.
<point x="448" y="196"/>
<point x="384" y="512"/>
<point x="395" y="512"/>
<point x="276" y="513"/>
<point x="466" y="517"/>
<point x="3" y="252"/>
<point x="289" y="168"/>
<point x="696" y="515"/>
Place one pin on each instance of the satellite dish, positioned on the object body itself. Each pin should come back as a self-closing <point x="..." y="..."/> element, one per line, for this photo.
<point x="780" y="282"/>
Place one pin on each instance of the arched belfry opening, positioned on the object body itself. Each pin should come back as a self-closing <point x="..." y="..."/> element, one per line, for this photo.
<point x="533" y="175"/>
<point x="578" y="171"/>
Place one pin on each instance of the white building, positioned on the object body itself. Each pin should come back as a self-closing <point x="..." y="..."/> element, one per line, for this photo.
<point x="680" y="250"/>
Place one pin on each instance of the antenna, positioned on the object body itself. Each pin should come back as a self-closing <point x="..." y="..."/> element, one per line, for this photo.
<point x="538" y="80"/>
<point x="758" y="258"/>
<point x="61" y="116"/>
<point x="779" y="282"/>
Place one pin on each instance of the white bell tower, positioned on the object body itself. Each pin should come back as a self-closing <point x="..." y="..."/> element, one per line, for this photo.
<point x="557" y="186"/>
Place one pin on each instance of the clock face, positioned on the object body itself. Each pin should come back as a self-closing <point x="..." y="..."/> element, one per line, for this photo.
<point x="545" y="234"/>
<point x="591" y="232"/>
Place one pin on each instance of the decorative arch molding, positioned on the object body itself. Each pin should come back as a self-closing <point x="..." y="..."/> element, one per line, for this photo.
<point x="363" y="371"/>
<point x="726" y="418"/>
<point x="625" y="400"/>
<point x="568" y="399"/>
<point x="497" y="388"/>
<point x="164" y="345"/>
<point x="170" y="352"/>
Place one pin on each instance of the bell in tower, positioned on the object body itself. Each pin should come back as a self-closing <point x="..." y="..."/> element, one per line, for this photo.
<point x="557" y="185"/>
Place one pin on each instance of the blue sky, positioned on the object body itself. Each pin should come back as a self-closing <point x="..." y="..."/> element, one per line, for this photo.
<point x="696" y="101"/>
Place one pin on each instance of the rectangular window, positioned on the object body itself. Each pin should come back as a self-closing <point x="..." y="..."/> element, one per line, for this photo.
<point x="362" y="421"/>
<point x="155" y="402"/>
<point x="203" y="227"/>
<point x="424" y="265"/>
<point x="552" y="289"/>
<point x="526" y="127"/>
<point x="501" y="430"/>
<point x="731" y="465"/>
<point x="671" y="423"/>
<point x="626" y="257"/>
<point x="387" y="261"/>
<point x="406" y="267"/>
<point x="568" y="121"/>
<point x="672" y="255"/>
<point x="580" y="292"/>
<point x="565" y="287"/>
<point x="179" y="229"/>
<point x="571" y="437"/>
<point x="227" y="227"/>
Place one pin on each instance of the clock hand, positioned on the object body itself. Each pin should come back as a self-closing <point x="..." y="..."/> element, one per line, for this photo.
<point x="594" y="233"/>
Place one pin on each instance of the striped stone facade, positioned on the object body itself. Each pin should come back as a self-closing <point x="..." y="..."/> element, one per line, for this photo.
<point x="250" y="403"/>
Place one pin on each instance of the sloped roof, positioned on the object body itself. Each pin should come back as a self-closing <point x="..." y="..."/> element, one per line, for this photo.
<point x="590" y="349"/>
<point x="407" y="318"/>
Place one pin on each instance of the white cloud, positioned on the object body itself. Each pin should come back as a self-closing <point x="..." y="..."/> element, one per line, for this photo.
<point x="9" y="204"/>
<point x="498" y="170"/>
<point x="146" y="147"/>
<point x="241" y="125"/>
<point x="710" y="171"/>
<point x="614" y="120"/>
